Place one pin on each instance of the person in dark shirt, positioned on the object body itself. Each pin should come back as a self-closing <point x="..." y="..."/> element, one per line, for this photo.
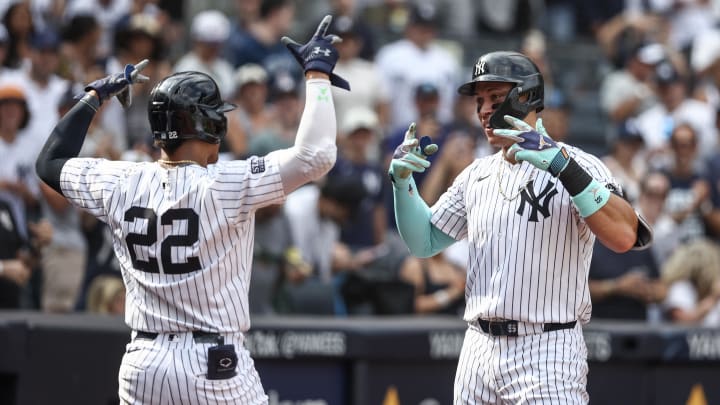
<point x="622" y="286"/>
<point x="15" y="269"/>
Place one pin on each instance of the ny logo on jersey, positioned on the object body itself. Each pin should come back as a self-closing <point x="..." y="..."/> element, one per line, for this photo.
<point x="538" y="203"/>
<point x="479" y="69"/>
<point x="317" y="50"/>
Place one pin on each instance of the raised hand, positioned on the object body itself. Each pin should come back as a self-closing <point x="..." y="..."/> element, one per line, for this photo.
<point x="410" y="156"/>
<point x="534" y="145"/>
<point x="118" y="84"/>
<point x="318" y="53"/>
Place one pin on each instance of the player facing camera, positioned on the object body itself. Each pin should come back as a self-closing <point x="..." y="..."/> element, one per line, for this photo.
<point x="530" y="214"/>
<point x="527" y="85"/>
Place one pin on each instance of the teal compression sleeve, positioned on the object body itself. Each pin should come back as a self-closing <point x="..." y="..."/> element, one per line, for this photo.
<point x="412" y="216"/>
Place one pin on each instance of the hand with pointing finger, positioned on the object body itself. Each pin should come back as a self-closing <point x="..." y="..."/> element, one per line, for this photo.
<point x="534" y="145"/>
<point x="318" y="54"/>
<point x="118" y="84"/>
<point x="411" y="155"/>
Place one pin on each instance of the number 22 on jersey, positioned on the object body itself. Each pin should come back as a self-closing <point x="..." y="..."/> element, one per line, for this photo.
<point x="150" y="237"/>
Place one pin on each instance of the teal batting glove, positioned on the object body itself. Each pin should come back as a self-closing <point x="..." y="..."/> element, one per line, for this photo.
<point x="534" y="146"/>
<point x="411" y="155"/>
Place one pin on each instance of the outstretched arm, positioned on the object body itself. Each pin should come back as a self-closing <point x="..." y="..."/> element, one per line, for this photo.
<point x="314" y="152"/>
<point x="66" y="140"/>
<point x="67" y="137"/>
<point x="412" y="214"/>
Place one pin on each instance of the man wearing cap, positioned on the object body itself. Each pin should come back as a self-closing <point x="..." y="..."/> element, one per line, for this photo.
<point x="416" y="59"/>
<point x="316" y="213"/>
<point x="209" y="31"/>
<point x="253" y="118"/>
<point x="675" y="107"/>
<point x="627" y="92"/>
<point x="624" y="160"/>
<point x="17" y="148"/>
<point x="357" y="144"/>
<point x="42" y="86"/>
<point x="426" y="100"/>
<point x="373" y="94"/>
<point x="258" y="42"/>
<point x="19" y="188"/>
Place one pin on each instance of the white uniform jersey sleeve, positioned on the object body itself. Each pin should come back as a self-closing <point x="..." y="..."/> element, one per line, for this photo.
<point x="90" y="183"/>
<point x="243" y="186"/>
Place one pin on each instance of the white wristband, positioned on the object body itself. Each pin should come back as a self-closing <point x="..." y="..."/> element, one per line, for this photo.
<point x="2" y="267"/>
<point x="442" y="297"/>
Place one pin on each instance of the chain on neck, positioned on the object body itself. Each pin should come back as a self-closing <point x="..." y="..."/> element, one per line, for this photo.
<point x="499" y="182"/>
<point x="178" y="162"/>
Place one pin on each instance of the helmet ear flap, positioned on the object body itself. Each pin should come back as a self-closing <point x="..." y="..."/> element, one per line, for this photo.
<point x="510" y="106"/>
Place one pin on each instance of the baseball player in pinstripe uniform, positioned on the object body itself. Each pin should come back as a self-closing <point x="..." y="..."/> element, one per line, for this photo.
<point x="531" y="213"/>
<point x="183" y="226"/>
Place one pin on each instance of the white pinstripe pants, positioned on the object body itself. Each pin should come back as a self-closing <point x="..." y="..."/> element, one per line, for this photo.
<point x="543" y="368"/>
<point x="170" y="370"/>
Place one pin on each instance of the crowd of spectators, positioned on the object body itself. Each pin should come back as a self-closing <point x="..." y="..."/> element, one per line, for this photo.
<point x="332" y="248"/>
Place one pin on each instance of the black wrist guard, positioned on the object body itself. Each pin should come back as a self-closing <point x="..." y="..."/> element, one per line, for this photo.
<point x="574" y="178"/>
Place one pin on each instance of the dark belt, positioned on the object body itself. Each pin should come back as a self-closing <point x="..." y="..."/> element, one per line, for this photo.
<point x="198" y="336"/>
<point x="510" y="327"/>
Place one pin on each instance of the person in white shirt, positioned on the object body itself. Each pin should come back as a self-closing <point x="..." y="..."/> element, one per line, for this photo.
<point x="693" y="276"/>
<point x="416" y="59"/>
<point x="209" y="30"/>
<point x="675" y="108"/>
<point x="373" y="94"/>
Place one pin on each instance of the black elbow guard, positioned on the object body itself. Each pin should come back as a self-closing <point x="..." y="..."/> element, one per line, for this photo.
<point x="644" y="234"/>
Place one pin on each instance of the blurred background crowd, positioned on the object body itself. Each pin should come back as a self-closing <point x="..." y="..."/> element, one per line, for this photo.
<point x="633" y="81"/>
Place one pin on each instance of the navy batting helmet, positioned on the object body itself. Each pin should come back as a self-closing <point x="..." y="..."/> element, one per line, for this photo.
<point x="187" y="105"/>
<point x="509" y="67"/>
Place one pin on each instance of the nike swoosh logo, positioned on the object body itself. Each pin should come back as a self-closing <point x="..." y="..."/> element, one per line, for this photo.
<point x="481" y="178"/>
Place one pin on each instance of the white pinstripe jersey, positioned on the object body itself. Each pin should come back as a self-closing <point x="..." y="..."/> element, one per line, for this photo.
<point x="530" y="250"/>
<point x="183" y="236"/>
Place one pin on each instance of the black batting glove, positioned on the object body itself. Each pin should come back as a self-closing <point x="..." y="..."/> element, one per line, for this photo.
<point x="118" y="84"/>
<point x="318" y="54"/>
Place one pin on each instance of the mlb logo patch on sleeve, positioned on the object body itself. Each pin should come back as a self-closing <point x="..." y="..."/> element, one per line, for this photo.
<point x="257" y="165"/>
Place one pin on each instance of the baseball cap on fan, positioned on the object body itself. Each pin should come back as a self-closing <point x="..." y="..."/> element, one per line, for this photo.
<point x="343" y="27"/>
<point x="426" y="90"/>
<point x="666" y="73"/>
<point x="210" y="26"/>
<point x="358" y="118"/>
<point x="45" y="40"/>
<point x="424" y="14"/>
<point x="650" y="54"/>
<point x="250" y="73"/>
<point x="628" y="131"/>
